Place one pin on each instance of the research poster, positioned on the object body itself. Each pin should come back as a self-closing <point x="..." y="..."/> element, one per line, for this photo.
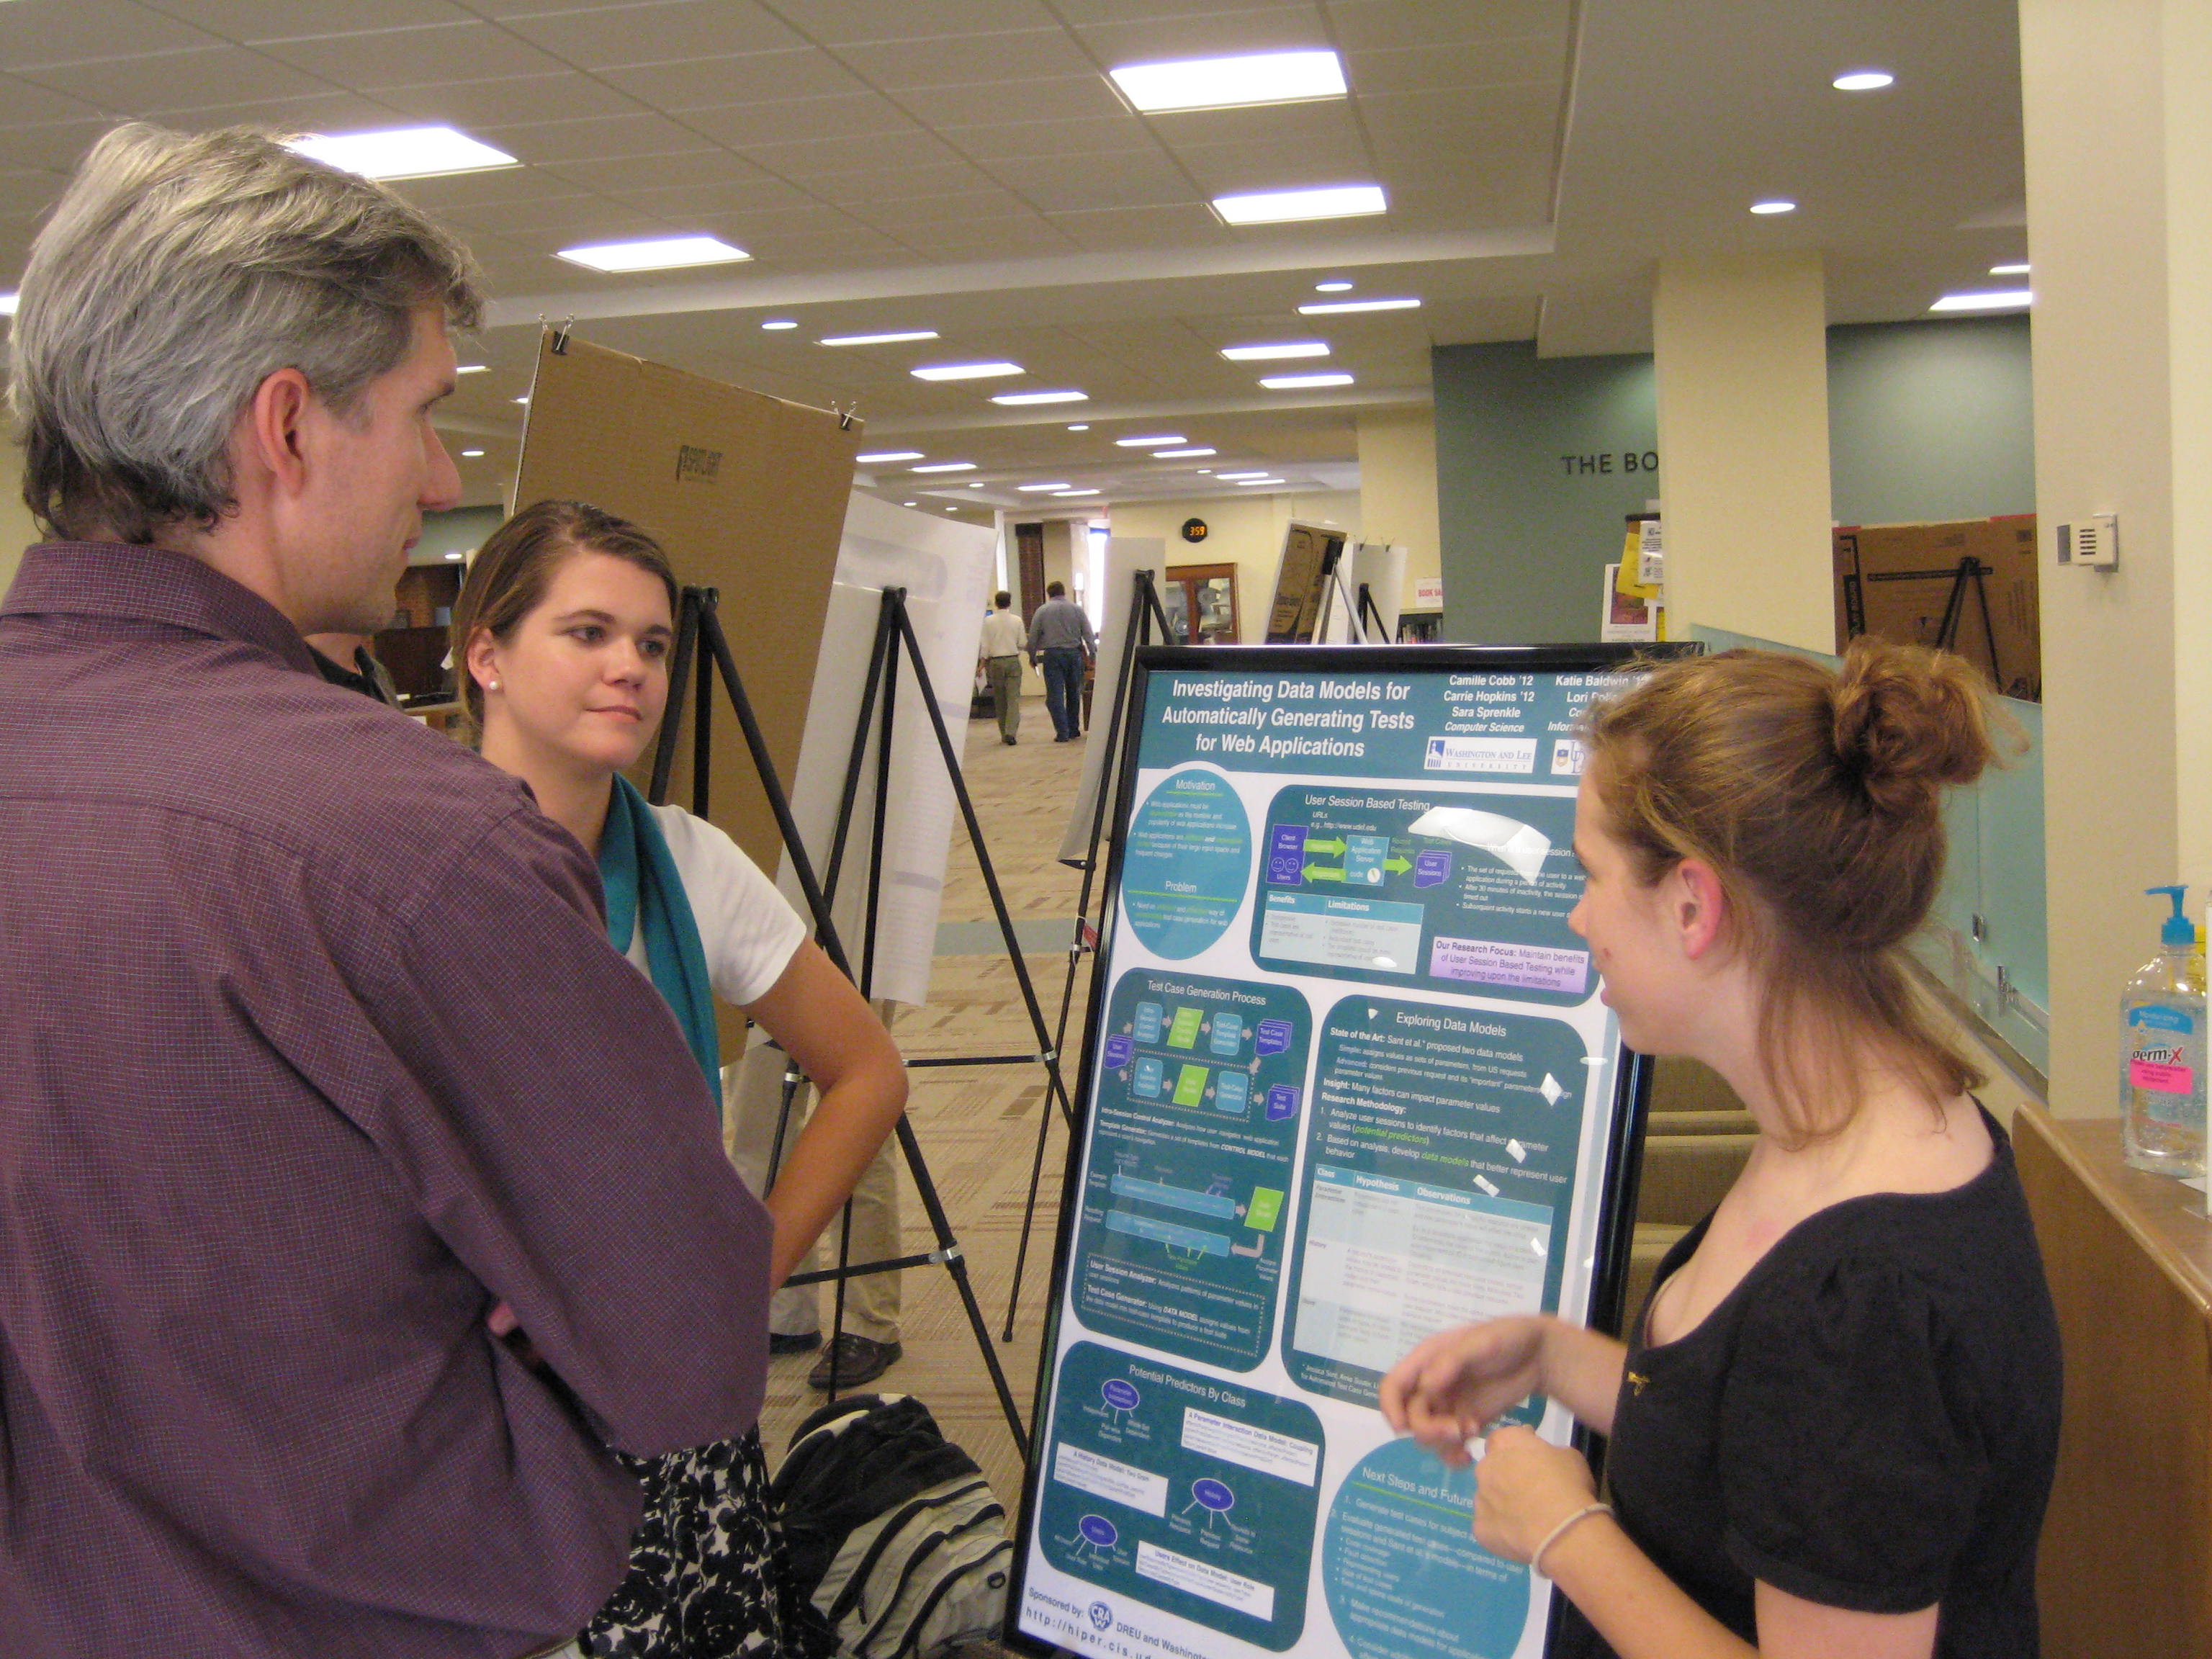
<point x="1348" y="1082"/>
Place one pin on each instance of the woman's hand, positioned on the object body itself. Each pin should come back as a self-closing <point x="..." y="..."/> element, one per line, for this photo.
<point x="1458" y="1381"/>
<point x="1524" y="1487"/>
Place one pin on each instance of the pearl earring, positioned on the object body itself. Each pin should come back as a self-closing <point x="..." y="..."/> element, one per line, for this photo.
<point x="491" y="685"/>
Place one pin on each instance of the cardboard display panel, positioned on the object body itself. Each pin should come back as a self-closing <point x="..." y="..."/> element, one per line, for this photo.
<point x="1347" y="1081"/>
<point x="1895" y="581"/>
<point x="748" y="494"/>
<point x="1310" y="554"/>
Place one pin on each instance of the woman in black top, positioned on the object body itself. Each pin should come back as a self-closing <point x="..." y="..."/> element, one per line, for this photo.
<point x="1834" y="1432"/>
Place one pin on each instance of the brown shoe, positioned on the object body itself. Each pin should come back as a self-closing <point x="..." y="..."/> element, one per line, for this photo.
<point x="858" y="1359"/>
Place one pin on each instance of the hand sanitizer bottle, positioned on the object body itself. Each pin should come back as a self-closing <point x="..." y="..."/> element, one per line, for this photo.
<point x="2162" y="1052"/>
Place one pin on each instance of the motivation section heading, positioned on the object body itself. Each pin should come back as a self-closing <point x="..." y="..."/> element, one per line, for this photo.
<point x="1494" y="726"/>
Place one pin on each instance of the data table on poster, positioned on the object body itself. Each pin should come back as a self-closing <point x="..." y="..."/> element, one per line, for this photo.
<point x="1348" y="1082"/>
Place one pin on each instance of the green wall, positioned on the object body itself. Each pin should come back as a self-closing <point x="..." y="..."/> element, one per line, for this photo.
<point x="1533" y="480"/>
<point x="1930" y="420"/>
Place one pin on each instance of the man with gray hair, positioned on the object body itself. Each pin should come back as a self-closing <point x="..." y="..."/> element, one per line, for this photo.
<point x="313" y="1049"/>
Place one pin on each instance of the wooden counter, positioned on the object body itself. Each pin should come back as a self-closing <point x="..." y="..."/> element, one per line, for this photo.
<point x="2125" y="1570"/>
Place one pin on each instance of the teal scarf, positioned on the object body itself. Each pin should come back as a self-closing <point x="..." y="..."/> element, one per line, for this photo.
<point x="644" y="891"/>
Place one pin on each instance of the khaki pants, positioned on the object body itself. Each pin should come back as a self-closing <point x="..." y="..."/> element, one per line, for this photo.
<point x="752" y="1092"/>
<point x="1005" y="674"/>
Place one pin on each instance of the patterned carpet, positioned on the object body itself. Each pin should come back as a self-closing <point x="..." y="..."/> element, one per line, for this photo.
<point x="978" y="1125"/>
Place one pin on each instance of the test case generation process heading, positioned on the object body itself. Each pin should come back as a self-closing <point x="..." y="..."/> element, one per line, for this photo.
<point x="1349" y="1083"/>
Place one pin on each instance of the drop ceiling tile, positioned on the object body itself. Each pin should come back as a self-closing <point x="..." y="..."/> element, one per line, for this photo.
<point x="469" y="191"/>
<point x="749" y="79"/>
<point x="662" y="31"/>
<point x="1229" y="169"/>
<point x="842" y="249"/>
<point x="326" y="111"/>
<point x="251" y="22"/>
<point x="1023" y="140"/>
<point x="435" y="54"/>
<point x="743" y="125"/>
<point x="1085" y="13"/>
<point x="59" y="145"/>
<point x="1123" y="178"/>
<point x="22" y="194"/>
<point x="1212" y="34"/>
<point x="896" y="214"/>
<point x="1015" y="239"/>
<point x="512" y="99"/>
<point x="748" y="199"/>
<point x="1172" y="225"/>
<point x="1505" y="61"/>
<point x="547" y="226"/>
<point x="199" y="75"/>
<point x="81" y="31"/>
<point x="939" y="180"/>
<point x="1368" y="25"/>
<point x="968" y="60"/>
<point x="623" y="177"/>
<point x="813" y="155"/>
<point x="595" y="138"/>
<point x="23" y="104"/>
<point x="846" y="22"/>
<point x="1464" y="119"/>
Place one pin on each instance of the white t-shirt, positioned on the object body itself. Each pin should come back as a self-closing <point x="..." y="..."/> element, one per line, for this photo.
<point x="1004" y="635"/>
<point x="749" y="930"/>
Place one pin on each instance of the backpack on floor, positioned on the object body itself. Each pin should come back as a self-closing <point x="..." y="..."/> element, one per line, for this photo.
<point x="892" y="1531"/>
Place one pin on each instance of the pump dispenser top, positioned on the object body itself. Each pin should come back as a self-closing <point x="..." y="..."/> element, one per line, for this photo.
<point x="2178" y="933"/>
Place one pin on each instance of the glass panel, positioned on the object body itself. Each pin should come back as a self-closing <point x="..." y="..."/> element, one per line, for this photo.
<point x="1217" y="610"/>
<point x="1177" y="597"/>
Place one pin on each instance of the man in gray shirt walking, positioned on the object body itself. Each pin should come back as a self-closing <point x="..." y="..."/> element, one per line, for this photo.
<point x="1061" y="634"/>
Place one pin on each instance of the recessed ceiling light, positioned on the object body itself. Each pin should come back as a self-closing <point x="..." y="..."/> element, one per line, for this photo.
<point x="1777" y="205"/>
<point x="1261" y="354"/>
<point x="885" y="457"/>
<point x="2012" y="299"/>
<point x="1045" y="489"/>
<point x="1268" y="77"/>
<point x="1062" y="495"/>
<point x="1205" y="469"/>
<point x="524" y="400"/>
<point x="1013" y="397"/>
<point x="880" y="339"/>
<point x="1275" y="207"/>
<point x="471" y="454"/>
<point x="1255" y="484"/>
<point x="1239" y="477"/>
<point x="453" y="555"/>
<point x="1332" y="288"/>
<point x="654" y="253"/>
<point x="908" y="504"/>
<point x="1298" y="382"/>
<point x="946" y="466"/>
<point x="1179" y="455"/>
<point x="1866" y="80"/>
<point x="2007" y="270"/>
<point x="463" y="369"/>
<point x="1080" y="426"/>
<point x="976" y="484"/>
<point x="1343" y="308"/>
<point x="8" y="303"/>
<point x="402" y="153"/>
<point x="966" y="371"/>
<point x="1157" y="439"/>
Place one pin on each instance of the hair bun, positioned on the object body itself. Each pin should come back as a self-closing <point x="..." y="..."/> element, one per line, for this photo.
<point x="1909" y="720"/>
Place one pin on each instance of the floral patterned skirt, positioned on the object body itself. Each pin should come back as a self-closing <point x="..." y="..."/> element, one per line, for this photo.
<point x="708" y="1576"/>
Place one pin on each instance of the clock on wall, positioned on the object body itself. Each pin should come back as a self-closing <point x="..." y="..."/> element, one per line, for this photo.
<point x="1195" y="529"/>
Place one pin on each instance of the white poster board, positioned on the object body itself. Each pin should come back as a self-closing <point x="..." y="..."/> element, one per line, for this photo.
<point x="1380" y="566"/>
<point x="1125" y="556"/>
<point x="946" y="568"/>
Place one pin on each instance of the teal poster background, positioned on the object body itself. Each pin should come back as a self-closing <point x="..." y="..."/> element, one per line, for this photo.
<point x="1189" y="857"/>
<point x="1180" y="1242"/>
<point x="1183" y="1492"/>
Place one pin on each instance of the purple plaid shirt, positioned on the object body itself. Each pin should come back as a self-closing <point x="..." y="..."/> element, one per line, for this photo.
<point x="312" y="1048"/>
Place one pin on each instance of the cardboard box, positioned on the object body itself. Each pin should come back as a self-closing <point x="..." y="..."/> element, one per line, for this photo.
<point x="1900" y="581"/>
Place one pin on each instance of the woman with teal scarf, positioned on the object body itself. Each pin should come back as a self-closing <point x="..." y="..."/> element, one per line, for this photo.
<point x="562" y="637"/>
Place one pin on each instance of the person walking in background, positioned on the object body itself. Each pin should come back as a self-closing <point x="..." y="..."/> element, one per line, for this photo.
<point x="1060" y="637"/>
<point x="1003" y="641"/>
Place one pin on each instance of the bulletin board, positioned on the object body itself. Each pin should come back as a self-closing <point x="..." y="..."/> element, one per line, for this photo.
<point x="1347" y="1081"/>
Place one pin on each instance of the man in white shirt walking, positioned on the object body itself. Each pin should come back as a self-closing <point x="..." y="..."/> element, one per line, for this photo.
<point x="1004" y="641"/>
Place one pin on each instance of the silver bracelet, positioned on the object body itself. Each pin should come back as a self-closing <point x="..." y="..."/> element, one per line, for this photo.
<point x="1536" y="1561"/>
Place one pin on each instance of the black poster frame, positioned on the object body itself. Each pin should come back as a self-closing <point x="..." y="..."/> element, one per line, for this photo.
<point x="1632" y="1074"/>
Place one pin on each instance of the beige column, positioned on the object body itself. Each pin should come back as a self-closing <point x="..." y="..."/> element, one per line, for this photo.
<point x="1740" y="350"/>
<point x="1398" y="488"/>
<point x="2119" y="199"/>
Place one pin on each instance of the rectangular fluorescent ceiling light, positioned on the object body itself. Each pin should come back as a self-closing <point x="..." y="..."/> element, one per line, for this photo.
<point x="402" y="153"/>
<point x="966" y="371"/>
<point x="8" y="303"/>
<point x="1178" y="454"/>
<point x="879" y="339"/>
<point x="1299" y="382"/>
<point x="1276" y="207"/>
<point x="1268" y="77"/>
<point x="1250" y="483"/>
<point x="883" y="456"/>
<point x="1013" y="397"/>
<point x="2011" y="299"/>
<point x="1152" y="442"/>
<point x="473" y="368"/>
<point x="1341" y="307"/>
<point x="656" y="253"/>
<point x="1062" y="495"/>
<point x="947" y="466"/>
<point x="1051" y="489"/>
<point x="1240" y="477"/>
<point x="1264" y="354"/>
